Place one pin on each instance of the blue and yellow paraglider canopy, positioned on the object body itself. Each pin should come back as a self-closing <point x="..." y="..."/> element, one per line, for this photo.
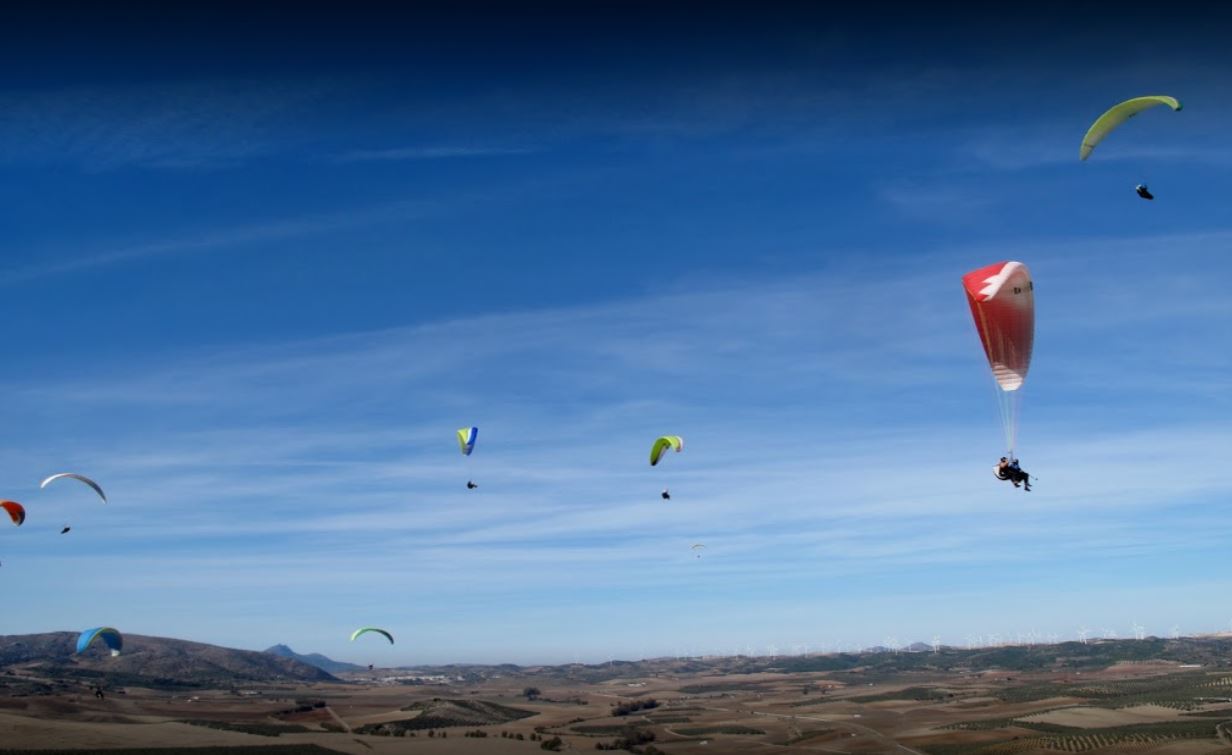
<point x="108" y="635"/>
<point x="466" y="439"/>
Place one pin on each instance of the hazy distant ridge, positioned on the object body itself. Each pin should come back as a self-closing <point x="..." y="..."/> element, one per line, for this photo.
<point x="313" y="659"/>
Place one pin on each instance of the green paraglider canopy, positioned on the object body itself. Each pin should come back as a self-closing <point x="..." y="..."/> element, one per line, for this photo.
<point x="1118" y="114"/>
<point x="365" y="630"/>
<point x="674" y="442"/>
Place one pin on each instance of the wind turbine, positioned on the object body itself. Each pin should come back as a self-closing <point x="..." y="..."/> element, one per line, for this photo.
<point x="1139" y="630"/>
<point x="1176" y="632"/>
<point x="1082" y="634"/>
<point x="936" y="644"/>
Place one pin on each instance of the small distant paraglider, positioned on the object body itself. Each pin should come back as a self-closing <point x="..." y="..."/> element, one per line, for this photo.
<point x="1114" y="117"/>
<point x="466" y="442"/>
<point x="697" y="549"/>
<point x="365" y="630"/>
<point x="111" y="637"/>
<point x="80" y="478"/>
<point x="658" y="448"/>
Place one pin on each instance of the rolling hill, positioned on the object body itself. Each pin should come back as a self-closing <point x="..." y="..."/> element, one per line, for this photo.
<point x="157" y="662"/>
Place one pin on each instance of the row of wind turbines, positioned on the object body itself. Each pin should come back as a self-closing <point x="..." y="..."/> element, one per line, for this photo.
<point x="1082" y="634"/>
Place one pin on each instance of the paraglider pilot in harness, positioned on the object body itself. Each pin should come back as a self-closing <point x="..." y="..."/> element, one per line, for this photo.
<point x="1008" y="469"/>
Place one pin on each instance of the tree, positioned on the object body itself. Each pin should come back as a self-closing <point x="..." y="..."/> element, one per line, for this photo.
<point x="531" y="693"/>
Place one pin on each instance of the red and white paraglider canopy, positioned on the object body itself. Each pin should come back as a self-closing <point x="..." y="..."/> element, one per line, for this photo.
<point x="1002" y="299"/>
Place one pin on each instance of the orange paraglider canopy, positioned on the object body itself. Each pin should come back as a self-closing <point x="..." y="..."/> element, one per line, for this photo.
<point x="15" y="510"/>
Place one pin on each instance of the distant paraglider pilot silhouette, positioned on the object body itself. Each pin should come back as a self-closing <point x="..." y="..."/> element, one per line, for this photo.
<point x="1143" y="191"/>
<point x="470" y="485"/>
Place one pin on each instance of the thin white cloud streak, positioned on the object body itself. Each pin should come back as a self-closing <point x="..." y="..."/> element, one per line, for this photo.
<point x="439" y="152"/>
<point x="817" y="106"/>
<point x="932" y="202"/>
<point x="1043" y="145"/>
<point x="177" y="125"/>
<point x="206" y="241"/>
<point x="775" y="553"/>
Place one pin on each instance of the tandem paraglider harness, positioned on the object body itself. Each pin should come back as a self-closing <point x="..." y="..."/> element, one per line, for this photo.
<point x="1012" y="473"/>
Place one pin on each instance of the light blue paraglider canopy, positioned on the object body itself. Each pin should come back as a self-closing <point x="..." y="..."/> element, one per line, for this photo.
<point x="110" y="636"/>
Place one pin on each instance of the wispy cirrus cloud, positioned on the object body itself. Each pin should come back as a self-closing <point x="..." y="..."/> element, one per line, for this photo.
<point x="209" y="240"/>
<point x="935" y="202"/>
<point x="176" y="125"/>
<point x="439" y="152"/>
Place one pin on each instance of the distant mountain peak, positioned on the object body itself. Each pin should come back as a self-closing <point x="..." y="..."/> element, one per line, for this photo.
<point x="322" y="662"/>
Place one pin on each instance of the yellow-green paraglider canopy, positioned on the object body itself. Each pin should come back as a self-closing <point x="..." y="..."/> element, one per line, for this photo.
<point x="1118" y="114"/>
<point x="661" y="445"/>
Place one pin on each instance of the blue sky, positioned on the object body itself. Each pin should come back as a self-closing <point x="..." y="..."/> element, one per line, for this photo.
<point x="257" y="274"/>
